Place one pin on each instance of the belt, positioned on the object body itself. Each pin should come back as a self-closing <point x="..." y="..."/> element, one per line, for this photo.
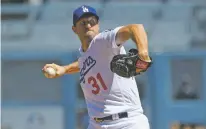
<point x="112" y="117"/>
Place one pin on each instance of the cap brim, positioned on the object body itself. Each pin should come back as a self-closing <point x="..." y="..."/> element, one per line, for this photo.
<point x="87" y="13"/>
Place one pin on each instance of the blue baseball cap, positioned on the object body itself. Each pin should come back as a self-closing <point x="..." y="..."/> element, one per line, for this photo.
<point x="81" y="11"/>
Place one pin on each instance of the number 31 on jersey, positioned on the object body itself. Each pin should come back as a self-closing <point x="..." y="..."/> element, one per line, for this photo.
<point x="94" y="82"/>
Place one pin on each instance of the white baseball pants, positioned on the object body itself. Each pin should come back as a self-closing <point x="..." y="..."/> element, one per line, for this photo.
<point x="139" y="121"/>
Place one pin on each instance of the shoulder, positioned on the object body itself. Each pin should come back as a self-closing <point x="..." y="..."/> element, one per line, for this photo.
<point x="108" y="32"/>
<point x="112" y="30"/>
<point x="103" y="34"/>
<point x="107" y="36"/>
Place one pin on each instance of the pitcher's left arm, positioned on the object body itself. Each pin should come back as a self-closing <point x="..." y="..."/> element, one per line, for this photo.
<point x="137" y="33"/>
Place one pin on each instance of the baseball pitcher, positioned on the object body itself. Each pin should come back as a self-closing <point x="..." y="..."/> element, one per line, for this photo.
<point x="107" y="72"/>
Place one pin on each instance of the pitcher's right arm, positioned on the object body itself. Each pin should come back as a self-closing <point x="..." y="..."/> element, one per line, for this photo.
<point x="72" y="68"/>
<point x="61" y="70"/>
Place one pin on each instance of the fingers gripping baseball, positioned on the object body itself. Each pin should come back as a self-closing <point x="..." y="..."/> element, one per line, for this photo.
<point x="53" y="70"/>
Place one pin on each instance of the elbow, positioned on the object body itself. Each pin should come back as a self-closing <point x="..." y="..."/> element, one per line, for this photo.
<point x="128" y="32"/>
<point x="134" y="27"/>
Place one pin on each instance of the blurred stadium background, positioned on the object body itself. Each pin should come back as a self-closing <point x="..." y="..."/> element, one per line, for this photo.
<point x="36" y="32"/>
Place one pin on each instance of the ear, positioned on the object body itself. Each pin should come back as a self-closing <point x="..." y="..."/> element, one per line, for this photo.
<point x="74" y="29"/>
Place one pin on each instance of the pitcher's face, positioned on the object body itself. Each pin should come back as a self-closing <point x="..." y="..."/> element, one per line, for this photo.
<point x="87" y="27"/>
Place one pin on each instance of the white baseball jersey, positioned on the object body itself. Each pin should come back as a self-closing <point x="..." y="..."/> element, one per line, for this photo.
<point x="105" y="92"/>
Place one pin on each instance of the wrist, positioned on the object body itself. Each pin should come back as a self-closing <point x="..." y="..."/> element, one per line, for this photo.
<point x="65" y="69"/>
<point x="144" y="56"/>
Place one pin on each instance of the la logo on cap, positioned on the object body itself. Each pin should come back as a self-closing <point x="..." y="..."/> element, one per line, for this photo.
<point x="85" y="9"/>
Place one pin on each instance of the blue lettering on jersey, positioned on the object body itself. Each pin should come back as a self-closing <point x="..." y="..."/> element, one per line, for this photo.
<point x="87" y="65"/>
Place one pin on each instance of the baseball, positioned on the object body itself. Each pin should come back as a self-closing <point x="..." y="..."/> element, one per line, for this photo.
<point x="51" y="71"/>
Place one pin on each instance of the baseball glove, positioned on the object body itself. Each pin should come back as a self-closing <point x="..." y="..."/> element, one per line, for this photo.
<point x="125" y="65"/>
